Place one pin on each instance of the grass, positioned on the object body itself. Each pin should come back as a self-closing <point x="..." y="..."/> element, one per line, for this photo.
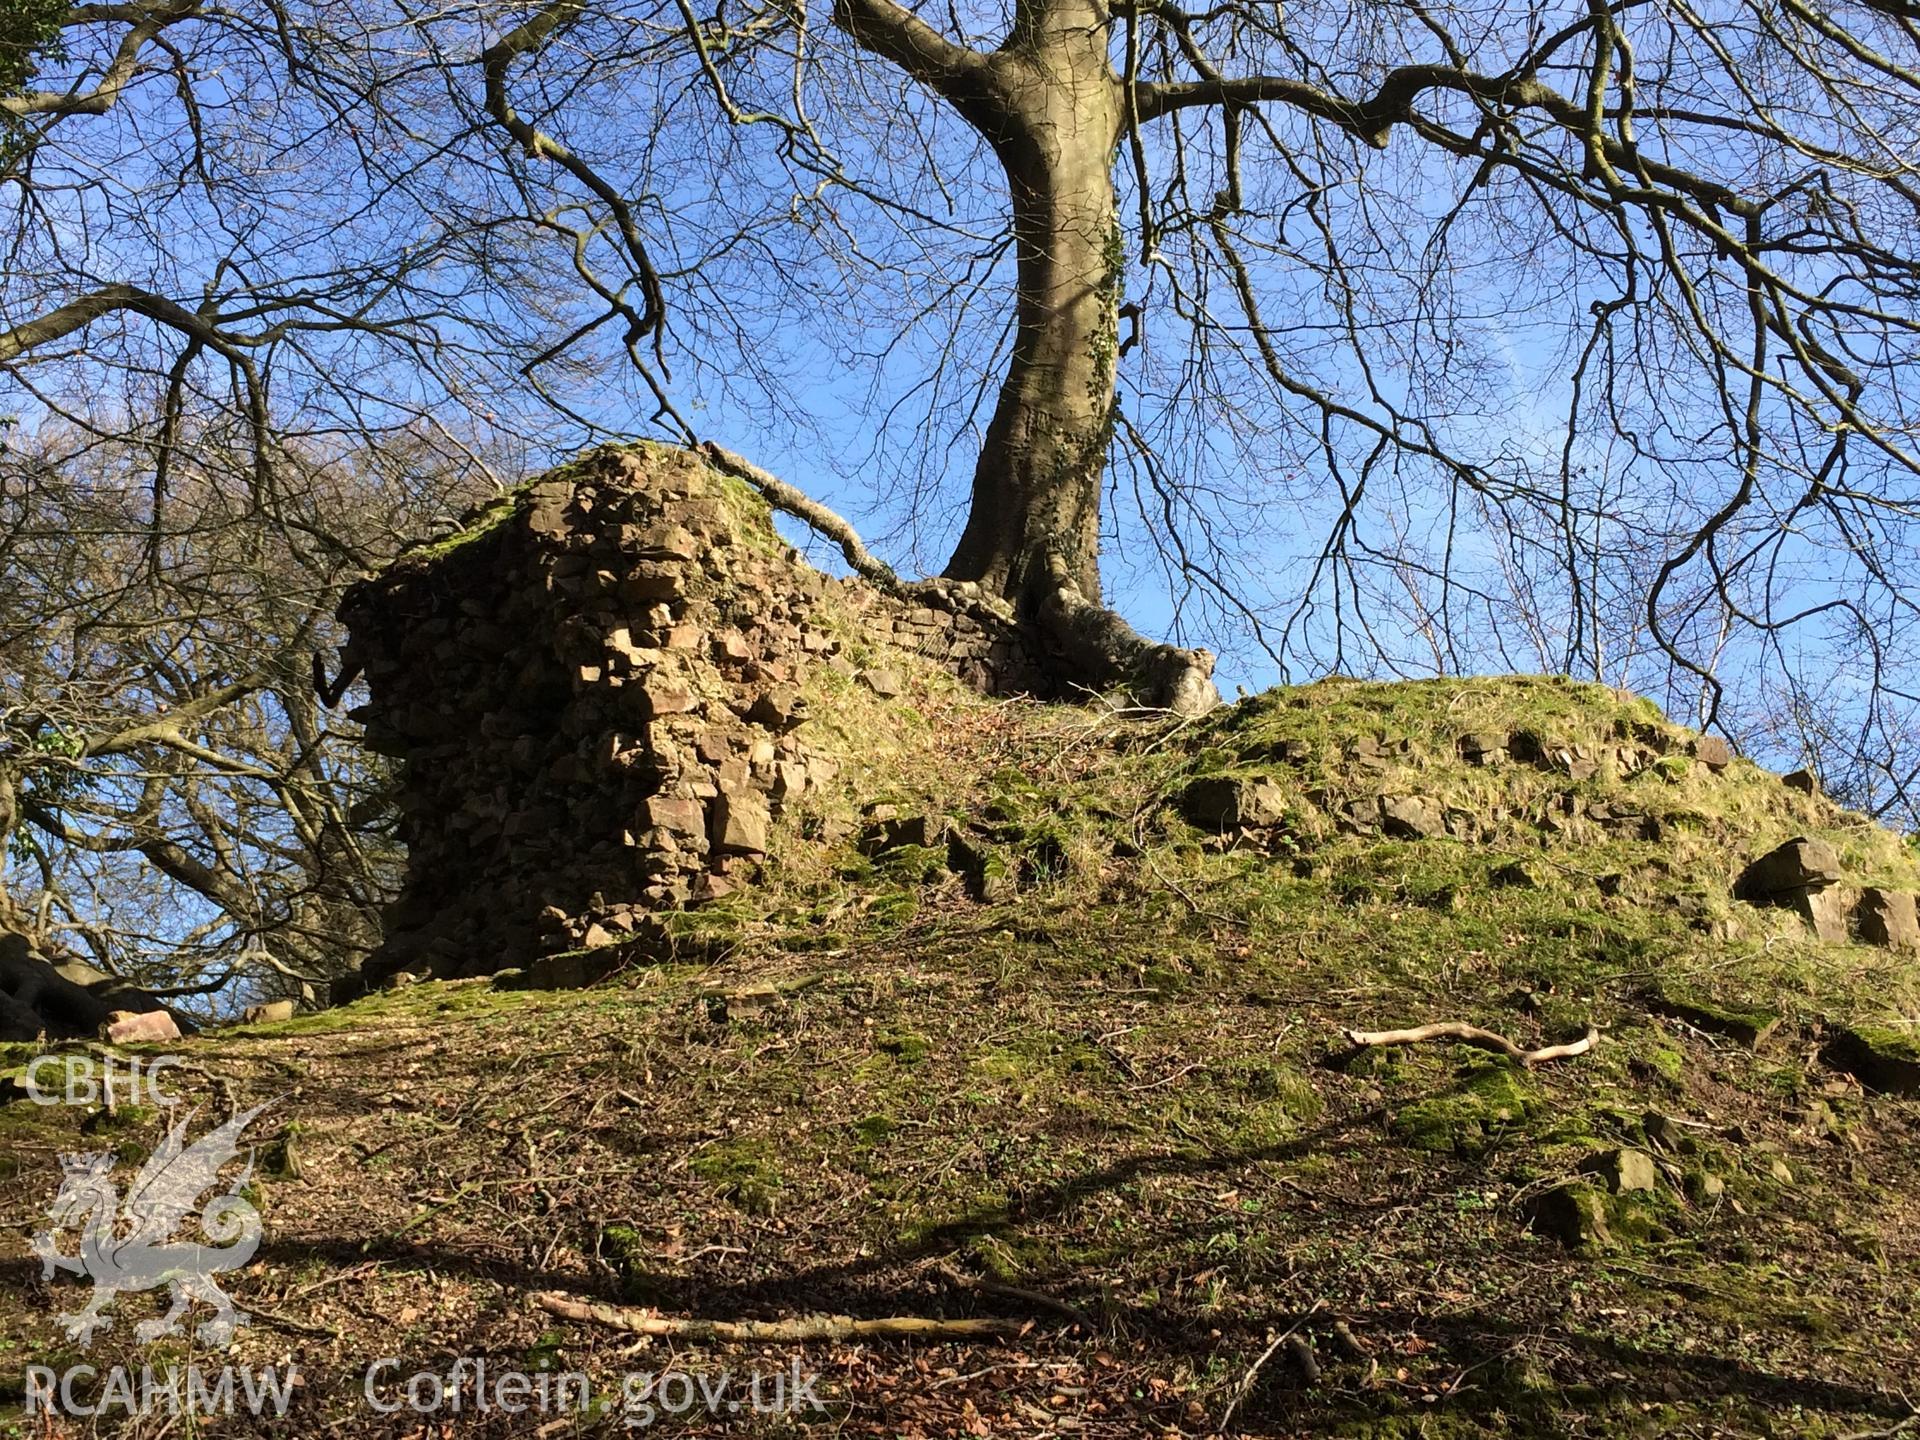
<point x="1118" y="1081"/>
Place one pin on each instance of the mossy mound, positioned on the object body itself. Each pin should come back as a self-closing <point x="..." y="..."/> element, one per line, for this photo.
<point x="1487" y="1102"/>
<point x="1109" y="1093"/>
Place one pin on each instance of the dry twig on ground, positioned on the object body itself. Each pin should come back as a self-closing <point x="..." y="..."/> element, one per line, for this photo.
<point x="792" y="1331"/>
<point x="1475" y="1036"/>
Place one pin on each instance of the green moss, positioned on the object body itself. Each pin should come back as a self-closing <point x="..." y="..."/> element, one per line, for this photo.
<point x="1006" y="1258"/>
<point x="974" y="1213"/>
<point x="905" y="1047"/>
<point x="1665" y="1061"/>
<point x="1040" y="1055"/>
<point x="1736" y="1019"/>
<point x="121" y="1118"/>
<point x="1639" y="1218"/>
<point x="626" y="1250"/>
<point x="1256" y="1129"/>
<point x="913" y="863"/>
<point x="1865" y="1244"/>
<point x="1900" y="1044"/>
<point x="1288" y="1089"/>
<point x="873" y="1129"/>
<point x="745" y="1171"/>
<point x="29" y="1133"/>
<point x="1486" y="1104"/>
<point x="1163" y="980"/>
<point x="893" y="907"/>
<point x="475" y="526"/>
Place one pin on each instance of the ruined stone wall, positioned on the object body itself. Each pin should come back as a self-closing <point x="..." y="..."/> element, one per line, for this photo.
<point x="950" y="624"/>
<point x="599" y="694"/>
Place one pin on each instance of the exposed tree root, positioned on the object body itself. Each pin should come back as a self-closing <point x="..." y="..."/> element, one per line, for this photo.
<point x="802" y="1328"/>
<point x="1475" y="1036"/>
<point x="1101" y="648"/>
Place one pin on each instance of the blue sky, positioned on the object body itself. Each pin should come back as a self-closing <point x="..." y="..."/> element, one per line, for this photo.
<point x="844" y="343"/>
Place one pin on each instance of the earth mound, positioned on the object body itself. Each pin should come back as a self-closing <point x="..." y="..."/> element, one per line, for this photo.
<point x="1067" y="1020"/>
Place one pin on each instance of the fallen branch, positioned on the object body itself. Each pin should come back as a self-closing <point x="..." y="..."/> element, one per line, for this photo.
<point x="809" y="511"/>
<point x="803" y="1328"/>
<point x="1245" y="1387"/>
<point x="1475" y="1036"/>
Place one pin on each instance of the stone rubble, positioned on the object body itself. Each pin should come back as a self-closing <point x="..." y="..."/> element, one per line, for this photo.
<point x="1803" y="875"/>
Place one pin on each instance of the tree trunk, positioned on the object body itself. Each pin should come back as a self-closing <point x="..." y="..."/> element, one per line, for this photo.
<point x="1051" y="106"/>
<point x="1036" y="485"/>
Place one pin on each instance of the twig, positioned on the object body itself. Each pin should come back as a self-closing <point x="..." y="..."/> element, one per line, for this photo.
<point x="1475" y="1036"/>
<point x="353" y="1272"/>
<point x="801" y="1328"/>
<point x="947" y="1380"/>
<point x="1146" y="853"/>
<point x="299" y="1327"/>
<point x="1164" y="1079"/>
<point x="1245" y="1387"/>
<point x="1901" y="1428"/>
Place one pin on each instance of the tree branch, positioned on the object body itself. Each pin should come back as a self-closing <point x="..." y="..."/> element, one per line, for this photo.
<point x="895" y="33"/>
<point x="146" y="24"/>
<point x="783" y="496"/>
<point x="806" y="1327"/>
<point x="1472" y="1035"/>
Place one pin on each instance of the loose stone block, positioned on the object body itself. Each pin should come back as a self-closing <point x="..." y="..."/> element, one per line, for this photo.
<point x="740" y="825"/>
<point x="1219" y="802"/>
<point x="1798" y="863"/>
<point x="1412" y="817"/>
<point x="1887" y="917"/>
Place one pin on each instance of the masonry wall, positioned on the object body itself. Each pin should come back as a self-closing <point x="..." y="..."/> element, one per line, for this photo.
<point x="598" y="697"/>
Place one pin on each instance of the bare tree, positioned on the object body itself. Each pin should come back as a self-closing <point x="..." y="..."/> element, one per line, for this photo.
<point x="249" y="357"/>
<point x="182" y="810"/>
<point x="1591" y="315"/>
<point x="1550" y="336"/>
